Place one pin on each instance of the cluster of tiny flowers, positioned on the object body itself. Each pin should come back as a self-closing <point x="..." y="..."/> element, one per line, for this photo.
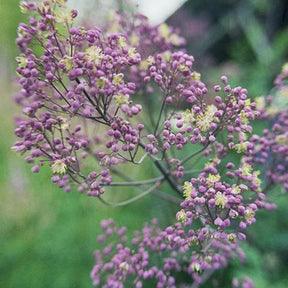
<point x="223" y="200"/>
<point x="83" y="78"/>
<point x="80" y="78"/>
<point x="223" y="205"/>
<point x="158" y="255"/>
<point x="271" y="149"/>
<point x="86" y="96"/>
<point x="201" y="123"/>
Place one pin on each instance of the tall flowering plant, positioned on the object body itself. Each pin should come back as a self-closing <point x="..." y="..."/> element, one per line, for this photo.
<point x="88" y="96"/>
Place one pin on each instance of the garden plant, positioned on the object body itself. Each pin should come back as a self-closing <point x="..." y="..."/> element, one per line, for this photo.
<point x="100" y="103"/>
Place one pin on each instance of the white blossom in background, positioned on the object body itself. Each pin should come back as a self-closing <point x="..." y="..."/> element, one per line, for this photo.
<point x="157" y="11"/>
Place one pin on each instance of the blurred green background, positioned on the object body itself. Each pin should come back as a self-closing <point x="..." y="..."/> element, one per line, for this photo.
<point x="48" y="237"/>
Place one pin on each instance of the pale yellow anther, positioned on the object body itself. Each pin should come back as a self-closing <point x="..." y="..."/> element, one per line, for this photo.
<point x="181" y="216"/>
<point x="195" y="76"/>
<point x="67" y="62"/>
<point x="212" y="179"/>
<point x="188" y="116"/>
<point x="282" y="140"/>
<point x="124" y="266"/>
<point x="121" y="99"/>
<point x="187" y="189"/>
<point x="94" y="54"/>
<point x="220" y="200"/>
<point x="118" y="79"/>
<point x="22" y="61"/>
<point x="246" y="170"/>
<point x="236" y="189"/>
<point x="63" y="15"/>
<point x="204" y="121"/>
<point x="122" y="42"/>
<point x="241" y="147"/>
<point x="195" y="267"/>
<point x="132" y="52"/>
<point x="249" y="214"/>
<point x="59" y="167"/>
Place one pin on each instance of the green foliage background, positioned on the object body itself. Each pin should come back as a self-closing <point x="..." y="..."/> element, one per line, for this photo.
<point x="48" y="237"/>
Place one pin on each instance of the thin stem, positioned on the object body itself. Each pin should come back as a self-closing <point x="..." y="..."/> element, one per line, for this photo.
<point x="195" y="153"/>
<point x="164" y="173"/>
<point x="136" y="183"/>
<point x="167" y="197"/>
<point x="57" y="42"/>
<point x="131" y="200"/>
<point x="120" y="174"/>
<point x="167" y="178"/>
<point x="60" y="93"/>
<point x="192" y="171"/>
<point x="86" y="94"/>
<point x="160" y="114"/>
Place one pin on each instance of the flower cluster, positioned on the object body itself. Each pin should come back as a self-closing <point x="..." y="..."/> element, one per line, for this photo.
<point x="271" y="149"/>
<point x="81" y="78"/>
<point x="221" y="209"/>
<point x="94" y="99"/>
<point x="223" y="204"/>
<point x="158" y="256"/>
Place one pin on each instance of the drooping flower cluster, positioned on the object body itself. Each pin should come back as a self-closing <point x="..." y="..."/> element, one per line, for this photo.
<point x="95" y="99"/>
<point x="79" y="75"/>
<point x="78" y="80"/>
